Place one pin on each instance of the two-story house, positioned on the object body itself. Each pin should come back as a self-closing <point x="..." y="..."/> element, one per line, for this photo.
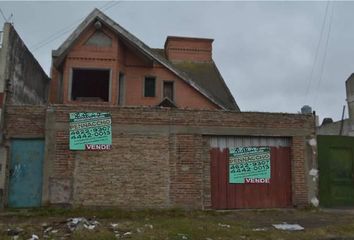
<point x="101" y="62"/>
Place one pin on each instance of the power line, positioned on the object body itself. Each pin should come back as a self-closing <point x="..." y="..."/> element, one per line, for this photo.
<point x="57" y="34"/>
<point x="324" y="55"/>
<point x="317" y="51"/>
<point x="109" y="5"/>
<point x="69" y="28"/>
<point x="3" y="15"/>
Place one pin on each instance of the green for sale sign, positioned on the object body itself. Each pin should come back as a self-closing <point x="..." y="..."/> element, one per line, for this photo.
<point x="249" y="165"/>
<point x="90" y="131"/>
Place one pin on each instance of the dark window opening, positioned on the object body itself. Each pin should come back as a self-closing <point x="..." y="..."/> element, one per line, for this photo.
<point x="168" y="90"/>
<point x="90" y="85"/>
<point x="149" y="87"/>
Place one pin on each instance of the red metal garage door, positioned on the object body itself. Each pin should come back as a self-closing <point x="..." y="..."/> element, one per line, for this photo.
<point x="276" y="194"/>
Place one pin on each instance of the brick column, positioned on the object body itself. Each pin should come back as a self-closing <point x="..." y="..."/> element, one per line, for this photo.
<point x="186" y="166"/>
<point x="299" y="185"/>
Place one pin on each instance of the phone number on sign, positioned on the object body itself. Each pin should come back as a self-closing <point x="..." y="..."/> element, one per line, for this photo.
<point x="248" y="167"/>
<point x="89" y="133"/>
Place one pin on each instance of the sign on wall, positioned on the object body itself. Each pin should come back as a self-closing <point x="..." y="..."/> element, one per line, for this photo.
<point x="90" y="131"/>
<point x="249" y="165"/>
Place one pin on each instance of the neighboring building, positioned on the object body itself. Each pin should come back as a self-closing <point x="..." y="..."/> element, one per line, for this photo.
<point x="101" y="62"/>
<point x="22" y="79"/>
<point x="343" y="127"/>
<point x="336" y="156"/>
<point x="22" y="82"/>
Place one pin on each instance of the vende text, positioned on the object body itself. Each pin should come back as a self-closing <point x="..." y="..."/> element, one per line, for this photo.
<point x="98" y="147"/>
<point x="257" y="180"/>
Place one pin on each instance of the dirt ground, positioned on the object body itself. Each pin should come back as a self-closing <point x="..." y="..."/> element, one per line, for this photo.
<point x="58" y="223"/>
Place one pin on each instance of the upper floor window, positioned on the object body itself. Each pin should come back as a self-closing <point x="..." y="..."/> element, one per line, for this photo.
<point x="150" y="87"/>
<point x="168" y="90"/>
<point x="90" y="85"/>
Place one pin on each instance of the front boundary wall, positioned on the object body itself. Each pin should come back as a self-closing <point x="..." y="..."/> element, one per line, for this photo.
<point x="159" y="158"/>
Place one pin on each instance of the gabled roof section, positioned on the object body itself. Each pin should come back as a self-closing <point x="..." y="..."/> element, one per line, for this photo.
<point x="206" y="74"/>
<point x="166" y="102"/>
<point x="60" y="54"/>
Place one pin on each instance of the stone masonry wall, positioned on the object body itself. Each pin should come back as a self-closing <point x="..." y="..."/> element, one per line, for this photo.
<point x="160" y="157"/>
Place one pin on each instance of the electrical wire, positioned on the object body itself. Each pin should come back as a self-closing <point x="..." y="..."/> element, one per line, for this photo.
<point x="317" y="52"/>
<point x="69" y="28"/>
<point x="3" y="15"/>
<point x="324" y="56"/>
<point x="62" y="31"/>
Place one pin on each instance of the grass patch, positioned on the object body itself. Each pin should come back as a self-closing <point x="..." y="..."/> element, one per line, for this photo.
<point x="103" y="234"/>
<point x="178" y="224"/>
<point x="108" y="213"/>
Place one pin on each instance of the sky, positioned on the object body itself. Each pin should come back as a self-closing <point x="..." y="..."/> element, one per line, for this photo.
<point x="274" y="56"/>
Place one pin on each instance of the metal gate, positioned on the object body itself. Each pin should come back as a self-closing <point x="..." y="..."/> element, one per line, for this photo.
<point x="275" y="194"/>
<point x="26" y="167"/>
<point x="335" y="160"/>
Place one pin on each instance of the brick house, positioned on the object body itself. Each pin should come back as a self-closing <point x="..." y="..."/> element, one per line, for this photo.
<point x="174" y="126"/>
<point x="102" y="62"/>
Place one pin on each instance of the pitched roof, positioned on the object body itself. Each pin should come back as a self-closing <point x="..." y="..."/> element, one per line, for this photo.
<point x="206" y="74"/>
<point x="166" y="102"/>
<point x="204" y="86"/>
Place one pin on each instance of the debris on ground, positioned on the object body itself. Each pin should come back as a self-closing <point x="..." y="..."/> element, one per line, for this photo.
<point x="182" y="236"/>
<point x="240" y="225"/>
<point x="127" y="233"/>
<point x="78" y="223"/>
<point x="47" y="230"/>
<point x="259" y="229"/>
<point x="149" y="226"/>
<point x="121" y="231"/>
<point x="14" y="232"/>
<point x="114" y="225"/>
<point x="288" y="227"/>
<point x="34" y="237"/>
<point x="224" y="225"/>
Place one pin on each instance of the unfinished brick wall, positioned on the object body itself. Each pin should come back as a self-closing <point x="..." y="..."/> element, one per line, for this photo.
<point x="188" y="49"/>
<point x="25" y="121"/>
<point x="160" y="157"/>
<point x="186" y="171"/>
<point x="134" y="174"/>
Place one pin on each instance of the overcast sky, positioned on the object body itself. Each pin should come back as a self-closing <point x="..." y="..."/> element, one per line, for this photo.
<point x="266" y="51"/>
